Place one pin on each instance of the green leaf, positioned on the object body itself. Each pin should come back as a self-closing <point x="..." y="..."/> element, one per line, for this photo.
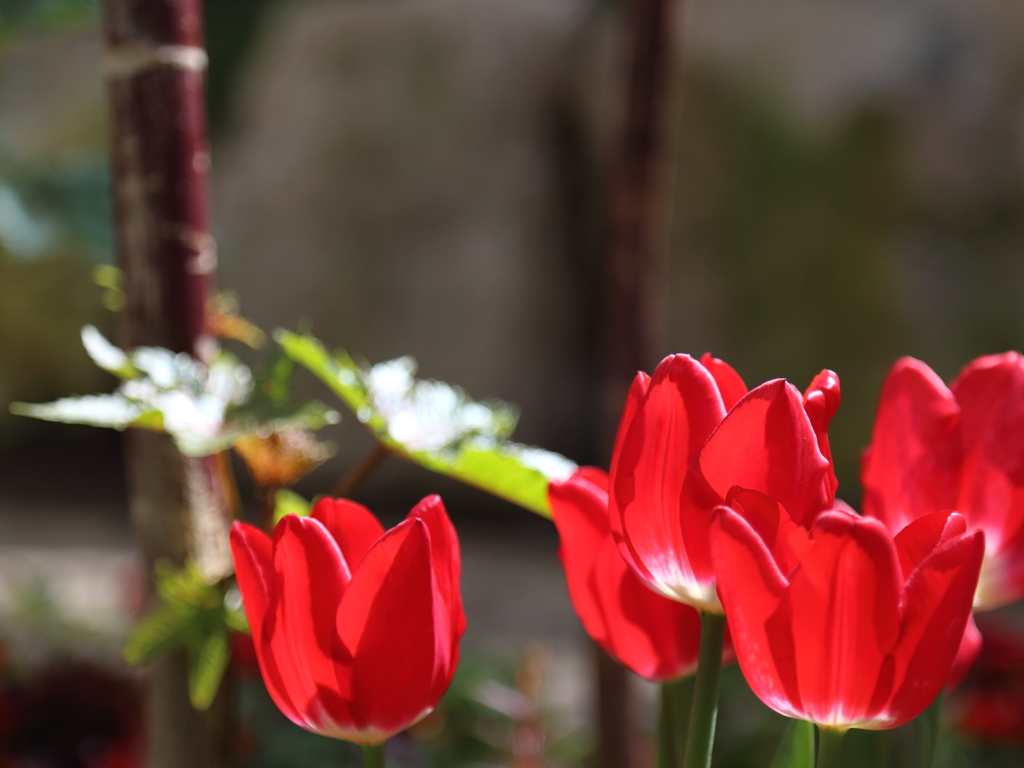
<point x="500" y="470"/>
<point x="435" y="424"/>
<point x="289" y="503"/>
<point x="274" y="381"/>
<point x="161" y="629"/>
<point x="186" y="585"/>
<point x="207" y="661"/>
<point x="236" y="620"/>
<point x="114" y="411"/>
<point x="106" y="355"/>
<point x="796" y="749"/>
<point x="270" y="407"/>
<point x="339" y="372"/>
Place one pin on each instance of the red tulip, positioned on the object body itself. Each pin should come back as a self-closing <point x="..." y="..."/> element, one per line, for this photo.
<point x="841" y="624"/>
<point x="689" y="434"/>
<point x="958" y="448"/>
<point x="356" y="630"/>
<point x="655" y="637"/>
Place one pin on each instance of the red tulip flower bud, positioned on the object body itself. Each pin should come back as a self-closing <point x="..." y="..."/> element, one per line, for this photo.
<point x="689" y="434"/>
<point x="356" y="630"/>
<point x="961" y="448"/>
<point x="653" y="636"/>
<point x="841" y="624"/>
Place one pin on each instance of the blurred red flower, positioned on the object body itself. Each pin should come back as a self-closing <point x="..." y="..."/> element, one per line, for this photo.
<point x="841" y="624"/>
<point x="990" y="706"/>
<point x="72" y="714"/>
<point x="959" y="448"/>
<point x="356" y="630"/>
<point x="653" y="636"/>
<point x="690" y="433"/>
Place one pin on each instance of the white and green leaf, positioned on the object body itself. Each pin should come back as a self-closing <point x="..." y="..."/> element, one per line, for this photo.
<point x="206" y="409"/>
<point x="435" y="424"/>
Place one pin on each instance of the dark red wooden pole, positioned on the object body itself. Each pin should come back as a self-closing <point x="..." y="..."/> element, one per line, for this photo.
<point x="639" y="198"/>
<point x="637" y="222"/>
<point x="155" y="67"/>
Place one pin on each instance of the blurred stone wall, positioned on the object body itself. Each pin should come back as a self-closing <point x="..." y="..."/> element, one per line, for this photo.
<point x="401" y="177"/>
<point x="423" y="177"/>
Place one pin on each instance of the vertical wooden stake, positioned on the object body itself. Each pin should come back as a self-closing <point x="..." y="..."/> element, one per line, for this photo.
<point x="155" y="69"/>
<point x="636" y="254"/>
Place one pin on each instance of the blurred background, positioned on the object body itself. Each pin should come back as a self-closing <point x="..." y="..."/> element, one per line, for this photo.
<point x="423" y="177"/>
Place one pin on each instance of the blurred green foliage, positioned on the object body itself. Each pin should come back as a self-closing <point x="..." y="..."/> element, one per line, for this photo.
<point x="193" y="614"/>
<point x="44" y="358"/>
<point x="801" y="246"/>
<point x="16" y="15"/>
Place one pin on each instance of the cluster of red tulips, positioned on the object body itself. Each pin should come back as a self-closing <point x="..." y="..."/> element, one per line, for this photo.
<point x="720" y="504"/>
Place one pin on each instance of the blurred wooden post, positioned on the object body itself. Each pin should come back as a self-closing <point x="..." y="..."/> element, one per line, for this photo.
<point x="155" y="69"/>
<point x="637" y="220"/>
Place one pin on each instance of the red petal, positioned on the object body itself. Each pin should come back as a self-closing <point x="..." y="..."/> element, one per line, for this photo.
<point x="390" y="621"/>
<point x="634" y="400"/>
<point x="580" y="513"/>
<point x="594" y="476"/>
<point x="680" y="408"/>
<point x="990" y="392"/>
<point x="936" y="606"/>
<point x="730" y="384"/>
<point x="655" y="637"/>
<point x="845" y="613"/>
<point x="821" y="401"/>
<point x="352" y="525"/>
<point x="753" y="591"/>
<point x="766" y="444"/>
<point x="966" y="655"/>
<point x="254" y="571"/>
<point x="299" y="629"/>
<point x="913" y="463"/>
<point x="446" y="563"/>
<point x="252" y="555"/>
<point x="919" y="539"/>
<point x="786" y="540"/>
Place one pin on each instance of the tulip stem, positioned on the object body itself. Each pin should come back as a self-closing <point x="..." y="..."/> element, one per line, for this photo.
<point x="701" y="734"/>
<point x="930" y="720"/>
<point x="830" y="747"/>
<point x="672" y="721"/>
<point x="373" y="755"/>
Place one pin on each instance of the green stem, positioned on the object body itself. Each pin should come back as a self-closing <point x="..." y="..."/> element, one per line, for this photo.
<point x="830" y="747"/>
<point x="701" y="735"/>
<point x="373" y="755"/>
<point x="929" y="721"/>
<point x="673" y="717"/>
